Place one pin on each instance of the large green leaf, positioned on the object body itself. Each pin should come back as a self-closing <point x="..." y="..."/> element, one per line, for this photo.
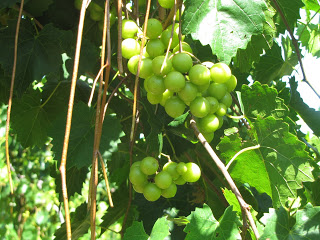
<point x="310" y="38"/>
<point x="278" y="224"/>
<point x="202" y="225"/>
<point x="290" y="10"/>
<point x="30" y="121"/>
<point x="135" y="232"/>
<point x="272" y="66"/>
<point x="246" y="57"/>
<point x="38" y="54"/>
<point x="226" y="25"/>
<point x="160" y="229"/>
<point x="82" y="136"/>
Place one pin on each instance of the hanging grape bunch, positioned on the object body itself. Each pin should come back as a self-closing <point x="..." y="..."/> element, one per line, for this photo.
<point x="152" y="184"/>
<point x="176" y="81"/>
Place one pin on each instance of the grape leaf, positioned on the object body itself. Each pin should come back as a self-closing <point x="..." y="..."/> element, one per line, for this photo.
<point x="246" y="57"/>
<point x="37" y="7"/>
<point x="278" y="224"/>
<point x="82" y="136"/>
<point x="290" y="10"/>
<point x="160" y="229"/>
<point x="272" y="66"/>
<point x="9" y="3"/>
<point x="202" y="225"/>
<point x="309" y="115"/>
<point x="225" y="25"/>
<point x="313" y="5"/>
<point x="278" y="167"/>
<point x="135" y="232"/>
<point x="30" y="121"/>
<point x="38" y="54"/>
<point x="310" y="38"/>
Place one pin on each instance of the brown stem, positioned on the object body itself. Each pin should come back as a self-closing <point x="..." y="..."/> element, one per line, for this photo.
<point x="171" y="14"/>
<point x="15" y="57"/>
<point x="295" y="44"/>
<point x="119" y="53"/>
<point x="244" y="121"/>
<point x="69" y="118"/>
<point x="244" y="206"/>
<point x="106" y="180"/>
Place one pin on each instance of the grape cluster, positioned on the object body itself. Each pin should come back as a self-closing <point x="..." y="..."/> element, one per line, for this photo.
<point x="175" y="81"/>
<point x="145" y="178"/>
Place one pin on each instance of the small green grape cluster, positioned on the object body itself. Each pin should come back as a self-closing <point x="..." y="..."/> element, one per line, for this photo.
<point x="175" y="81"/>
<point x="152" y="184"/>
<point x="97" y="12"/>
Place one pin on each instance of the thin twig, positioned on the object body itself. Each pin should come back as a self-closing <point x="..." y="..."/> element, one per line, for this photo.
<point x="94" y="84"/>
<point x="171" y="14"/>
<point x="15" y="56"/>
<point x="295" y="44"/>
<point x="244" y="206"/>
<point x="16" y="7"/>
<point x="106" y="179"/>
<point x="119" y="53"/>
<point x="69" y="118"/>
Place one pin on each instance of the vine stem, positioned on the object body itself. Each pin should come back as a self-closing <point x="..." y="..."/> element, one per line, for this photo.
<point x="244" y="206"/>
<point x="69" y="118"/>
<point x="295" y="44"/>
<point x="15" y="56"/>
<point x="119" y="53"/>
<point x="106" y="180"/>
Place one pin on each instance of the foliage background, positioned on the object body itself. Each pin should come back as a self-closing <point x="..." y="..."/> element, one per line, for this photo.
<point x="280" y="180"/>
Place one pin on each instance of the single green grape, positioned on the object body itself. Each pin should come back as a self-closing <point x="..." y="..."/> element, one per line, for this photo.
<point x="174" y="107"/>
<point x="155" y="85"/>
<point x="163" y="179"/>
<point x="170" y="167"/>
<point x="154" y="98"/>
<point x="182" y="62"/>
<point x="174" y="81"/>
<point x="155" y="48"/>
<point x="151" y="192"/>
<point x="220" y="72"/>
<point x="193" y="172"/>
<point x="157" y="63"/>
<point x="169" y="192"/>
<point x="199" y="74"/>
<point x="181" y="168"/>
<point x="209" y="123"/>
<point x="154" y="28"/>
<point x="129" y="28"/>
<point x="149" y="165"/>
<point x="130" y="47"/>
<point x="200" y="107"/>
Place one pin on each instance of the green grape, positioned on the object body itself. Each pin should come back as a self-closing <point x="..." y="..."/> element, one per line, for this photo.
<point x="209" y="123"/>
<point x="214" y="104"/>
<point x="165" y="38"/>
<point x="200" y="107"/>
<point x="155" y="48"/>
<point x="132" y="64"/>
<point x="193" y="172"/>
<point x="163" y="179"/>
<point x="166" y="3"/>
<point x="139" y="188"/>
<point x="151" y="192"/>
<point x="136" y="176"/>
<point x="208" y="136"/>
<point x="135" y="164"/>
<point x="226" y="100"/>
<point x="154" y="28"/>
<point x="145" y="69"/>
<point x="222" y="110"/>
<point x="170" y="167"/>
<point x="220" y="72"/>
<point x="169" y="192"/>
<point x="174" y="81"/>
<point x="185" y="47"/>
<point x="157" y="63"/>
<point x="155" y="85"/>
<point x="231" y="83"/>
<point x="199" y="74"/>
<point x="96" y="12"/>
<point x="217" y="90"/>
<point x="154" y="98"/>
<point x="220" y="121"/>
<point x="180" y="181"/>
<point x="174" y="107"/>
<point x="149" y="165"/>
<point x="130" y="47"/>
<point x="165" y="96"/>
<point x="182" y="62"/>
<point x="181" y="168"/>
<point x="203" y="88"/>
<point x="129" y="28"/>
<point x="188" y="93"/>
<point x="78" y="4"/>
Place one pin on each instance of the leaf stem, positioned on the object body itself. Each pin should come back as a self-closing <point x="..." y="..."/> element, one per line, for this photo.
<point x="15" y="57"/>
<point x="245" y="208"/>
<point x="295" y="44"/>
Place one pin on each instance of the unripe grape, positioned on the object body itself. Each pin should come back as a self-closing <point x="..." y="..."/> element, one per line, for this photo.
<point x="136" y="176"/>
<point x="222" y="110"/>
<point x="193" y="172"/>
<point x="151" y="192"/>
<point x="208" y="136"/>
<point x="157" y="63"/>
<point x="154" y="98"/>
<point x="181" y="168"/>
<point x="163" y="179"/>
<point x="136" y="164"/>
<point x="220" y="73"/>
<point x="155" y="84"/>
<point x="199" y="74"/>
<point x="139" y="188"/>
<point x="180" y="181"/>
<point x="174" y="81"/>
<point x="170" y="167"/>
<point x="132" y="64"/>
<point x="185" y="47"/>
<point x="169" y="192"/>
<point x="155" y="48"/>
<point x="217" y="90"/>
<point x="209" y="123"/>
<point x="129" y="28"/>
<point x="214" y="104"/>
<point x="166" y="3"/>
<point x="165" y="38"/>
<point x="174" y="107"/>
<point x="165" y="96"/>
<point x="145" y="69"/>
<point x="149" y="165"/>
<point x="200" y="107"/>
<point x="231" y="83"/>
<point x="188" y="93"/>
<point x="182" y="62"/>
<point x="154" y="28"/>
<point x="226" y="100"/>
<point x="130" y="47"/>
